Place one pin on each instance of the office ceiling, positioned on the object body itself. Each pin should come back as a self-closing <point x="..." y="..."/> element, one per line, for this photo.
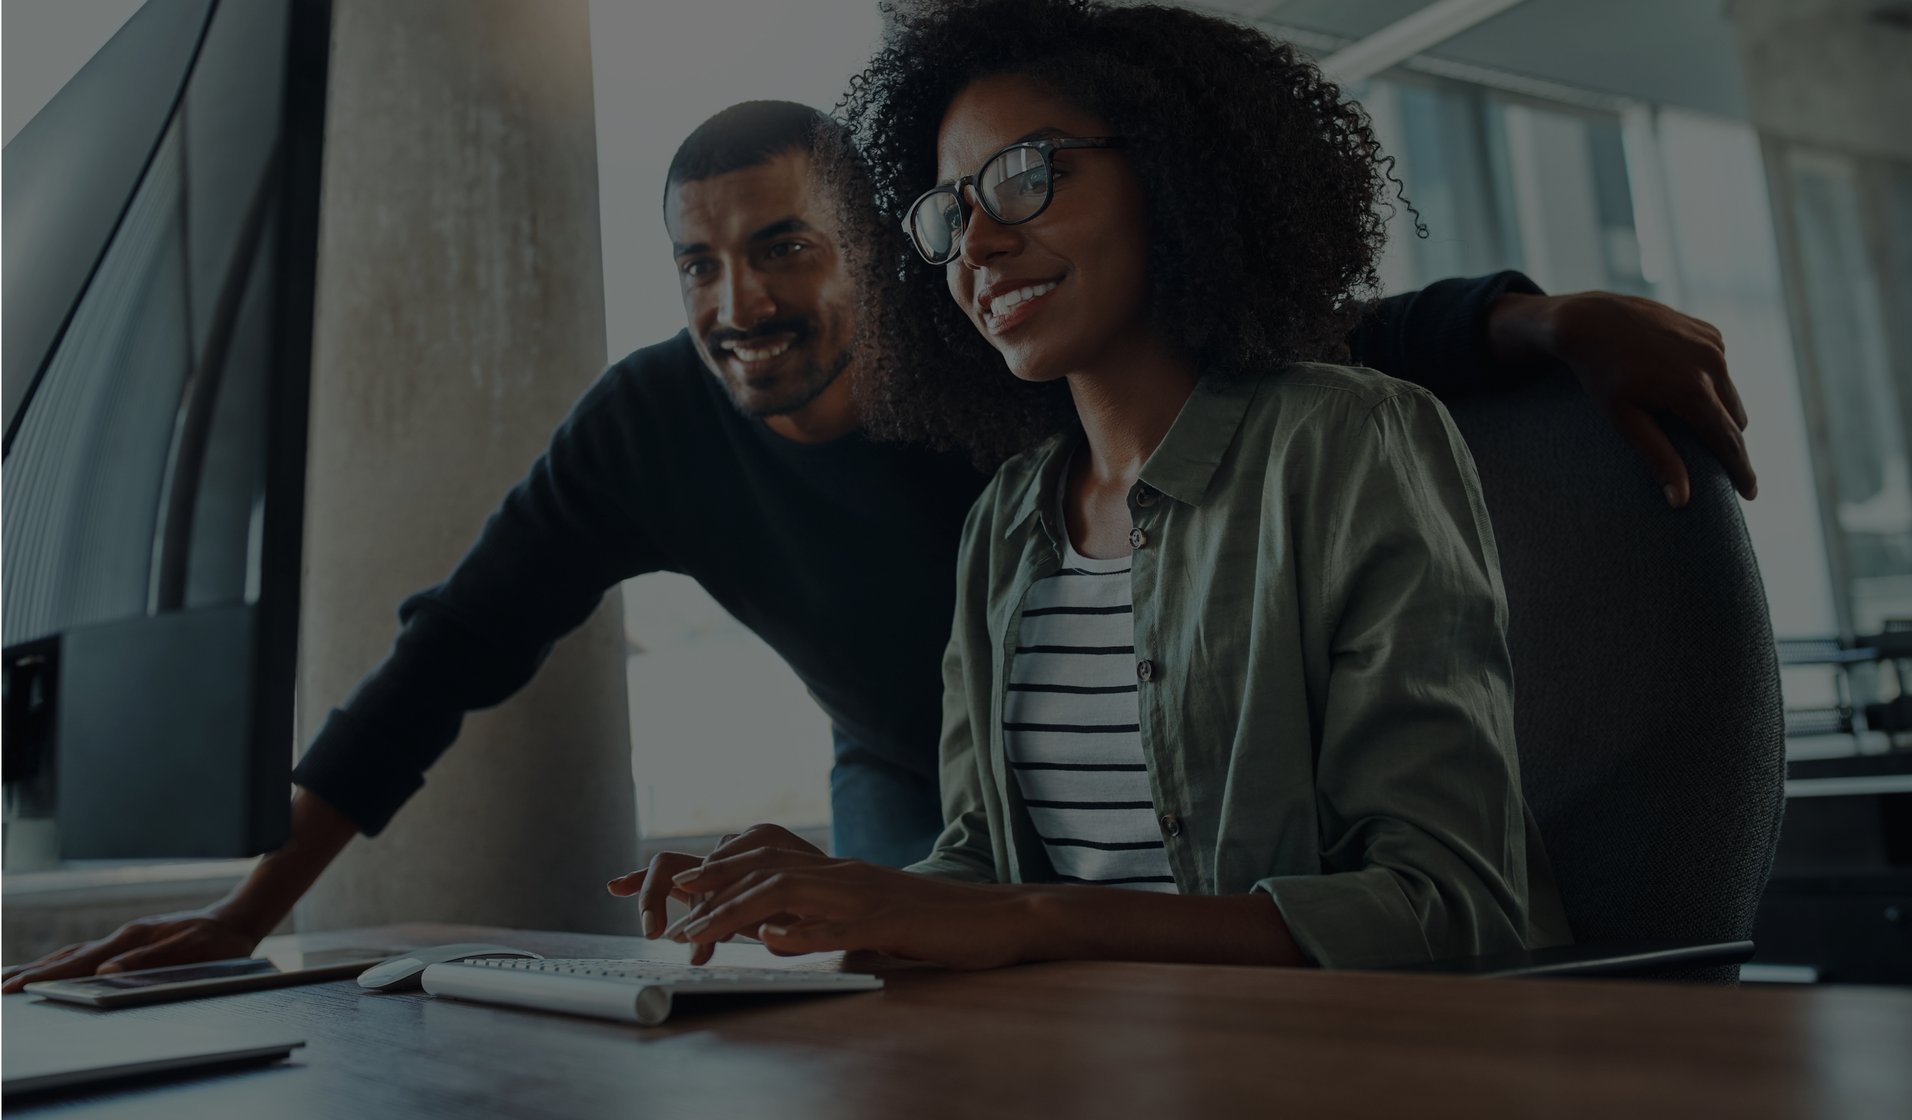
<point x="1671" y="52"/>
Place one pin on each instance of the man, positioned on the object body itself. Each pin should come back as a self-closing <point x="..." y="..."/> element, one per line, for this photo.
<point x="733" y="453"/>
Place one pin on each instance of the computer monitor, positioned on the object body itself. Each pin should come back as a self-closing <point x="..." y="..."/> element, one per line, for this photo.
<point x="161" y="219"/>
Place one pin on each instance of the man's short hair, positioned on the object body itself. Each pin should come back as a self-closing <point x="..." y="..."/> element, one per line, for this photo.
<point x="747" y="135"/>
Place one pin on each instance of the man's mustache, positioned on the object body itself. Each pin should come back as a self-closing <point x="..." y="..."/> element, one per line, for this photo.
<point x="799" y="329"/>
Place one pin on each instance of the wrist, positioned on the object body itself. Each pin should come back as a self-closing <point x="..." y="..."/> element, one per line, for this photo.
<point x="245" y="914"/>
<point x="1043" y="925"/>
<point x="1523" y="330"/>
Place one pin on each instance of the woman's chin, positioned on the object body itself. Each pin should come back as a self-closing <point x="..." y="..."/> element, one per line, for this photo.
<point x="1033" y="368"/>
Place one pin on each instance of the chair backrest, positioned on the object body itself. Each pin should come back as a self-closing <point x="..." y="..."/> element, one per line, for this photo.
<point x="1646" y="686"/>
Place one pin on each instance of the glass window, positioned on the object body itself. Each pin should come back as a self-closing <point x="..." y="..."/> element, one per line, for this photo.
<point x="1450" y="155"/>
<point x="1673" y="205"/>
<point x="1864" y="449"/>
<point x="723" y="734"/>
<point x="1726" y="254"/>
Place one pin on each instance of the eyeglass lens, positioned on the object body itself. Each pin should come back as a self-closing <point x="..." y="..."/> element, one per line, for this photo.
<point x="1013" y="186"/>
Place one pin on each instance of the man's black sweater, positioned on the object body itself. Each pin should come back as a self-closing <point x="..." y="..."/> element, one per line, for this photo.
<point x="839" y="555"/>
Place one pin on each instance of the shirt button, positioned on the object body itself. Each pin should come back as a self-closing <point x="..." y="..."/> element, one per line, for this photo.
<point x="1171" y="824"/>
<point x="1137" y="538"/>
<point x="1145" y="670"/>
<point x="1145" y="496"/>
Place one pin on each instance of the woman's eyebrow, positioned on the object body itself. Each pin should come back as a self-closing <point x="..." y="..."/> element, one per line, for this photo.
<point x="1046" y="132"/>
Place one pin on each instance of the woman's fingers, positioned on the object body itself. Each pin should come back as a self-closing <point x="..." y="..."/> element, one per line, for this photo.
<point x="709" y="880"/>
<point x="717" y="874"/>
<point x="796" y="938"/>
<point x="776" y="896"/>
<point x="656" y="889"/>
<point x="762" y="836"/>
<point x="717" y="884"/>
<point x="712" y="901"/>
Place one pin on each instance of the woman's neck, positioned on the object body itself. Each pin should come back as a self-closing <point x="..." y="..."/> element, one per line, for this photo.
<point x="1126" y="408"/>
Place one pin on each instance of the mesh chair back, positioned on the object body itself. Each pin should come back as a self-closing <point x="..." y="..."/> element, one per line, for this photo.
<point x="1647" y="706"/>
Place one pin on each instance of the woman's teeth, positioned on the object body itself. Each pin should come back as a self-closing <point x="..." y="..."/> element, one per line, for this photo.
<point x="757" y="354"/>
<point x="1006" y="302"/>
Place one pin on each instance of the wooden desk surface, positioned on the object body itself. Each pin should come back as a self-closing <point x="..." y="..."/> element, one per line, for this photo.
<point x="1064" y="1040"/>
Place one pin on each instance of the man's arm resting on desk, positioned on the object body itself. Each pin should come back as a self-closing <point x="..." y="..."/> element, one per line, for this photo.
<point x="231" y="927"/>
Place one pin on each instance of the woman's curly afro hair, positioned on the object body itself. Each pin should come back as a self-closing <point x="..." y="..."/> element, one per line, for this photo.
<point x="1264" y="191"/>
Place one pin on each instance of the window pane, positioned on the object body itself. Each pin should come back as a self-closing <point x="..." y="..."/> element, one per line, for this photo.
<point x="1719" y="217"/>
<point x="1865" y="448"/>
<point x="723" y="735"/>
<point x="1445" y="143"/>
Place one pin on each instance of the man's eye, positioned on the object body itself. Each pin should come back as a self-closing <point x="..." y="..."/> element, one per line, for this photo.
<point x="698" y="267"/>
<point x="786" y="248"/>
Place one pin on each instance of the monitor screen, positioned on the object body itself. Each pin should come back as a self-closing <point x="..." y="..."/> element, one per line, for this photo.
<point x="161" y="217"/>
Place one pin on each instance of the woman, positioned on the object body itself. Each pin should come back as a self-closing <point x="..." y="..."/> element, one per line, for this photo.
<point x="1228" y="679"/>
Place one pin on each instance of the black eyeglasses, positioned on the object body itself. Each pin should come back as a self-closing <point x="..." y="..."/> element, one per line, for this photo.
<point x="1014" y="186"/>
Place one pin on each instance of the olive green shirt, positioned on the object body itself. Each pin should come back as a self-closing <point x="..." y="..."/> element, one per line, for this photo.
<point x="1325" y="693"/>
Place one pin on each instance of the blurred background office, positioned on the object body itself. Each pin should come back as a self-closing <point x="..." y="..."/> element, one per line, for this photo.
<point x="1745" y="161"/>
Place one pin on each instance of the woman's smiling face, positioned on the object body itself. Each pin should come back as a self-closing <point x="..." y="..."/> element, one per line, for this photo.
<point x="1062" y="292"/>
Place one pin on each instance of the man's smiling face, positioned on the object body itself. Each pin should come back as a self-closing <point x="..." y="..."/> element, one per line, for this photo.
<point x="770" y="308"/>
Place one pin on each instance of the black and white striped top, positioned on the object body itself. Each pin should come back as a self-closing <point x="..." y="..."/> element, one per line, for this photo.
<point x="1071" y="727"/>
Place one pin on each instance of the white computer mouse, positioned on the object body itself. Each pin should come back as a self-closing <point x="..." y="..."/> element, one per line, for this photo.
<point x="405" y="972"/>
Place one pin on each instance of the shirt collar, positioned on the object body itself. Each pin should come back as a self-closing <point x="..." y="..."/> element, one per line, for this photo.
<point x="1039" y="485"/>
<point x="1182" y="465"/>
<point x="1184" y="462"/>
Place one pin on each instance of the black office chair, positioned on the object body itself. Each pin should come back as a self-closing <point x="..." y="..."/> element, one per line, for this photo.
<point x="1646" y="690"/>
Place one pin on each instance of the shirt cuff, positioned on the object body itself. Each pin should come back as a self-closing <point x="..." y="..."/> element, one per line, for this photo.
<point x="948" y="867"/>
<point x="1353" y="919"/>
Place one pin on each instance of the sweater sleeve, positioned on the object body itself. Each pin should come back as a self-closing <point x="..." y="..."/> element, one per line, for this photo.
<point x="1437" y="337"/>
<point x="562" y="537"/>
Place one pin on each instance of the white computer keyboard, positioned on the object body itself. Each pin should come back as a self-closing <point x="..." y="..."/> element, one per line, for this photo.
<point x="630" y="991"/>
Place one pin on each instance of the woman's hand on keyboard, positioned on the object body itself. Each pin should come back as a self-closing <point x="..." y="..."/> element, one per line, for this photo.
<point x="806" y="902"/>
<point x="654" y="885"/>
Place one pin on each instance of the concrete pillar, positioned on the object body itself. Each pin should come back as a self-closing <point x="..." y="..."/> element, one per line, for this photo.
<point x="460" y="314"/>
<point x="1833" y="74"/>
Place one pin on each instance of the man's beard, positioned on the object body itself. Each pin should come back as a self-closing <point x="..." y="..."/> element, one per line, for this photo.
<point x="811" y="381"/>
<point x="811" y="384"/>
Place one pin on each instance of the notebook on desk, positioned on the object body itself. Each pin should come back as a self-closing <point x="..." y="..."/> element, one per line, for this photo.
<point x="67" y="1050"/>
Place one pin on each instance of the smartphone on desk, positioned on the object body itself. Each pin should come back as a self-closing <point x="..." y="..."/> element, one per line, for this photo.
<point x="211" y="978"/>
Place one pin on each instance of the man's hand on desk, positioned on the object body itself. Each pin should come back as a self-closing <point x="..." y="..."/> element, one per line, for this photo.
<point x="231" y="927"/>
<point x="1638" y="360"/>
<point x="654" y="886"/>
<point x="187" y="937"/>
